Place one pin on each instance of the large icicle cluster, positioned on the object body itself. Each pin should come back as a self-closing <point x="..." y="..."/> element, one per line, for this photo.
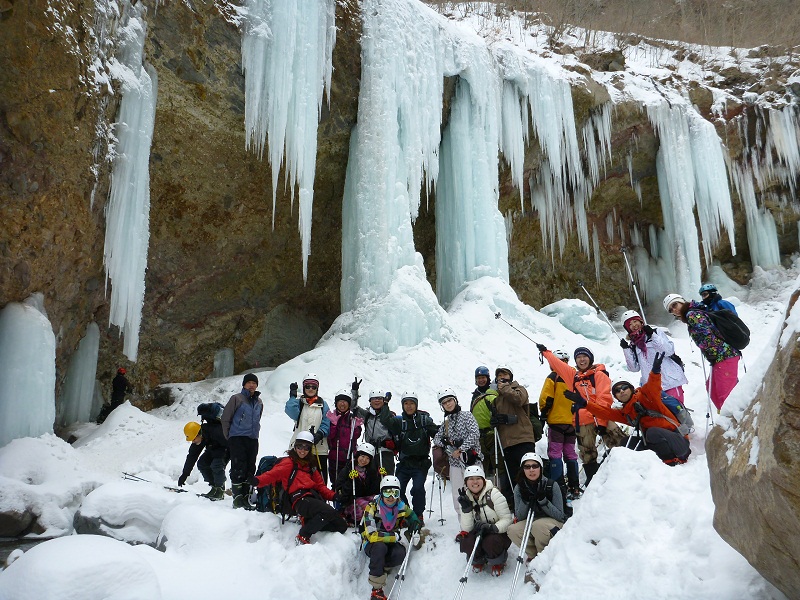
<point x="76" y="404"/>
<point x="27" y="370"/>
<point x="128" y="209"/>
<point x="287" y="50"/>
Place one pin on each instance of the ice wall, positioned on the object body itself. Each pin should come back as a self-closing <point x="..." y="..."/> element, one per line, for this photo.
<point x="128" y="208"/>
<point x="27" y="371"/>
<point x="77" y="397"/>
<point x="287" y="48"/>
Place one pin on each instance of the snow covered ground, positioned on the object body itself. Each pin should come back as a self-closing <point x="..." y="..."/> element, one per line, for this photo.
<point x="641" y="530"/>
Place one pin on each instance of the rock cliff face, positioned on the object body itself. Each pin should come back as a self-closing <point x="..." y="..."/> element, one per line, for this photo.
<point x="219" y="274"/>
<point x="755" y="473"/>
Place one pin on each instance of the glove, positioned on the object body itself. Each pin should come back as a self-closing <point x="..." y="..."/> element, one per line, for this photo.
<point x="253" y="481"/>
<point x="541" y="348"/>
<point x="461" y="535"/>
<point x="389" y="444"/>
<point x="356" y="383"/>
<point x="601" y="430"/>
<point x="293" y="390"/>
<point x="388" y="396"/>
<point x="572" y="396"/>
<point x="648" y="330"/>
<point x="353" y="474"/>
<point x="657" y="362"/>
<point x="498" y="419"/>
<point x="457" y="442"/>
<point x="181" y="480"/>
<point x="487" y="528"/>
<point x="640" y="410"/>
<point x="541" y="492"/>
<point x="415" y="526"/>
<point x="318" y="436"/>
<point x="623" y="343"/>
<point x="466" y="503"/>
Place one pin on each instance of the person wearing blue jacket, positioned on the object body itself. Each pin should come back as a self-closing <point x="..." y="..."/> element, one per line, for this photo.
<point x="713" y="300"/>
<point x="310" y="413"/>
<point x="241" y="424"/>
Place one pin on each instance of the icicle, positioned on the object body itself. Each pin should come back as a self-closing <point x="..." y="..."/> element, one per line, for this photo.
<point x="287" y="49"/>
<point x="76" y="402"/>
<point x="762" y="236"/>
<point x="514" y="134"/>
<point x="610" y="218"/>
<point x="596" y="249"/>
<point x="128" y="209"/>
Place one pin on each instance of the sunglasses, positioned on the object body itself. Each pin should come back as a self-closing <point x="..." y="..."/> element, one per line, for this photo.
<point x="309" y="387"/>
<point x="303" y="446"/>
<point x="621" y="388"/>
<point x="532" y="466"/>
<point x="390" y="493"/>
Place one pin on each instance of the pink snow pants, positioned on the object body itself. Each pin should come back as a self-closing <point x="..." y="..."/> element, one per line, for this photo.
<point x="677" y="393"/>
<point x="724" y="377"/>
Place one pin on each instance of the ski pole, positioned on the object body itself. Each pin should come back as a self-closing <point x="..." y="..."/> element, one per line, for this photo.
<point x="497" y="315"/>
<point x="400" y="577"/>
<point x="522" y="547"/>
<point x="633" y="283"/>
<point x="599" y="310"/>
<point x="496" y="460"/>
<point x="463" y="581"/>
<point x="709" y="414"/>
<point x="133" y="477"/>
<point x="441" y="518"/>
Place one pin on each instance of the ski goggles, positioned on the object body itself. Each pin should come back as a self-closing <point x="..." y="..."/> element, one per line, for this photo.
<point x="390" y="493"/>
<point x="302" y="446"/>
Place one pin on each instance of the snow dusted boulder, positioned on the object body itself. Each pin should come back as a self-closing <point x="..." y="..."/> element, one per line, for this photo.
<point x="580" y="318"/>
<point x="754" y="459"/>
<point x="80" y="567"/>
<point x="221" y="527"/>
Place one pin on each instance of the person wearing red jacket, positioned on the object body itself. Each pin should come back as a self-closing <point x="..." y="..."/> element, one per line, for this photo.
<point x="306" y="490"/>
<point x="588" y="381"/>
<point x="643" y="408"/>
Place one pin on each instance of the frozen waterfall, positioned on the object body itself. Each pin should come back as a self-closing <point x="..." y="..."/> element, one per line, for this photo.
<point x="77" y="398"/>
<point x="287" y="49"/>
<point x="128" y="209"/>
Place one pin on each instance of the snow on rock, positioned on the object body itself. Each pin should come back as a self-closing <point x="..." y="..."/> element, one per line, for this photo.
<point x="580" y="318"/>
<point x="179" y="530"/>
<point x="84" y="567"/>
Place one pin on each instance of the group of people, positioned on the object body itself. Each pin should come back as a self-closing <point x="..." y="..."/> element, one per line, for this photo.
<point x="371" y="454"/>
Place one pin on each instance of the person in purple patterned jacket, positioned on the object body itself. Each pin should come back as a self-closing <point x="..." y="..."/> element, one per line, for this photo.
<point x="723" y="358"/>
<point x="344" y="433"/>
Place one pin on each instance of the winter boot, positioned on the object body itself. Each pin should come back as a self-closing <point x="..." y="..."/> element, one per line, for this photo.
<point x="590" y="469"/>
<point x="497" y="570"/>
<point x="217" y="492"/>
<point x="573" y="481"/>
<point x="302" y="540"/>
<point x="241" y="496"/>
<point x="477" y="567"/>
<point x="377" y="594"/>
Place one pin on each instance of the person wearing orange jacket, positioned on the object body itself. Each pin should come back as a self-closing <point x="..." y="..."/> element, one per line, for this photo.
<point x="643" y="408"/>
<point x="587" y="381"/>
<point x="306" y="490"/>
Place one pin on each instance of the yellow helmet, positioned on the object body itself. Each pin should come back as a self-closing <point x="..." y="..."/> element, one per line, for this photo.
<point x="191" y="430"/>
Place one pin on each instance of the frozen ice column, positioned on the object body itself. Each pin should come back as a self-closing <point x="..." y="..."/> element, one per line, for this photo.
<point x="75" y="404"/>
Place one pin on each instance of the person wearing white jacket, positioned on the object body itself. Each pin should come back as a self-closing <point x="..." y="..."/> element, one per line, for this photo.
<point x="484" y="513"/>
<point x="640" y="347"/>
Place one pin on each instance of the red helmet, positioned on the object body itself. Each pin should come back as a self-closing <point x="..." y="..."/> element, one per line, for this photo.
<point x="121" y="371"/>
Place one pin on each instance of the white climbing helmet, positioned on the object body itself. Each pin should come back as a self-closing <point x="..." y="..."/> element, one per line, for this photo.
<point x="446" y="393"/>
<point x="305" y="436"/>
<point x="390" y="481"/>
<point x="531" y="456"/>
<point x="377" y="394"/>
<point x="474" y="471"/>
<point x="562" y="354"/>
<point x="670" y="298"/>
<point x="505" y="368"/>
<point x="366" y="448"/>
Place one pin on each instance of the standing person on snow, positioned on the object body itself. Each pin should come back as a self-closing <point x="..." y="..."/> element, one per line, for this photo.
<point x="712" y="299"/>
<point x="644" y="409"/>
<point x="300" y="478"/>
<point x="723" y="358"/>
<point x="512" y="423"/>
<point x="384" y="517"/>
<point x="376" y="429"/>
<point x="589" y="380"/>
<point x="640" y="347"/>
<point x="483" y="397"/>
<point x="413" y="431"/>
<point x="460" y="438"/>
<point x="119" y="387"/>
<point x="241" y="424"/>
<point x="484" y="512"/>
<point x="556" y="409"/>
<point x="362" y="480"/>
<point x="531" y="493"/>
<point x="209" y="440"/>
<point x="345" y="429"/>
<point x="310" y="413"/>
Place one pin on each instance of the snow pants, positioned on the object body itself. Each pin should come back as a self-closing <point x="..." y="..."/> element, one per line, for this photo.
<point x="456" y="483"/>
<point x="212" y="467"/>
<point x="587" y="440"/>
<point x="668" y="445"/>
<point x="493" y="549"/>
<point x="417" y="477"/>
<point x="382" y="557"/>
<point x="724" y="377"/>
<point x="560" y="442"/>
<point x="244" y="453"/>
<point x="542" y="531"/>
<point x="317" y="515"/>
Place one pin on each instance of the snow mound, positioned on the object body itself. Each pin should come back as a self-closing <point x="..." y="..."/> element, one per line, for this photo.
<point x="580" y="318"/>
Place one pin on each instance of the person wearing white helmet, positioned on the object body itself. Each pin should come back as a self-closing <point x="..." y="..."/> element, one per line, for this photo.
<point x="384" y="517"/>
<point x="241" y="425"/>
<point x="723" y="358"/>
<point x="485" y="513"/>
<point x="359" y="483"/>
<point x="556" y="409"/>
<point x="459" y="437"/>
<point x="483" y="398"/>
<point x="640" y="347"/>
<point x="377" y="418"/>
<point x="343" y="434"/>
<point x="307" y="492"/>
<point x="413" y="431"/>
<point x="310" y="413"/>
<point x="542" y="498"/>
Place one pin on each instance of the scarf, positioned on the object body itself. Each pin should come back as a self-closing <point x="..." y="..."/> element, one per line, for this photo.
<point x="640" y="340"/>
<point x="388" y="513"/>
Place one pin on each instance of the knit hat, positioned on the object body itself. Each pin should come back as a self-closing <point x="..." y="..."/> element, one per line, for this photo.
<point x="249" y="377"/>
<point x="585" y="351"/>
<point x="620" y="385"/>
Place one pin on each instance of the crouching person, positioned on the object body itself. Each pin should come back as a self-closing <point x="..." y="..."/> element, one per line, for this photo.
<point x="357" y="487"/>
<point x="305" y="488"/>
<point x="384" y="517"/>
<point x="539" y="497"/>
<point x="644" y="409"/>
<point x="484" y="513"/>
<point x="208" y="449"/>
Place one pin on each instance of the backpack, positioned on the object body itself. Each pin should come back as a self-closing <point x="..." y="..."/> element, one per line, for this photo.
<point x="273" y="498"/>
<point x="681" y="413"/>
<point x="566" y="505"/>
<point x="730" y="327"/>
<point x="210" y="411"/>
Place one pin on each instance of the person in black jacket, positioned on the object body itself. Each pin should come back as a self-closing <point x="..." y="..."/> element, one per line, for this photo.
<point x="207" y="439"/>
<point x="357" y="486"/>
<point x="119" y="387"/>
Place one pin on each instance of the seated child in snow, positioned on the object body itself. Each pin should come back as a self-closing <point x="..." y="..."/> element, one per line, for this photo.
<point x="384" y="517"/>
<point x="357" y="486"/>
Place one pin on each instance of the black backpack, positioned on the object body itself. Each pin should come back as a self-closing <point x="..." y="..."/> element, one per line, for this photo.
<point x="730" y="327"/>
<point x="210" y="411"/>
<point x="273" y="498"/>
